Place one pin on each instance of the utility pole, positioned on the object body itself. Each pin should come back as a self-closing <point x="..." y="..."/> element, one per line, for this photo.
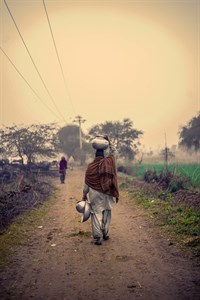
<point x="166" y="152"/>
<point x="79" y="120"/>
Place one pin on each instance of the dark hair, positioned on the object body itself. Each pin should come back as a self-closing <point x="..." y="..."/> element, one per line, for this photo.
<point x="99" y="152"/>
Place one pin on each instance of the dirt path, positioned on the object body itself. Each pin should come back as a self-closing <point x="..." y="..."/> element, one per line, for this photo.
<point x="60" y="262"/>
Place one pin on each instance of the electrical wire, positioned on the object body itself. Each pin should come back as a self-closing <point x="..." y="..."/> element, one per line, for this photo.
<point x="63" y="75"/>
<point x="34" y="62"/>
<point x="36" y="94"/>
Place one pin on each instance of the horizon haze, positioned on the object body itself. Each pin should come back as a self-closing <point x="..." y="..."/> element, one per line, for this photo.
<point x="101" y="60"/>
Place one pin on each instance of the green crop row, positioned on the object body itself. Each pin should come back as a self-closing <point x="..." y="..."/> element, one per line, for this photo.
<point x="192" y="171"/>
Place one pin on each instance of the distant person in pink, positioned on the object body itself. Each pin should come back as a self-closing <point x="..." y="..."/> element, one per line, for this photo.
<point x="62" y="169"/>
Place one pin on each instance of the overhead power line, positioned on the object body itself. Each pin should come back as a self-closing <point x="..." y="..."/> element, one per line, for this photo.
<point x="36" y="94"/>
<point x="63" y="75"/>
<point x="33" y="62"/>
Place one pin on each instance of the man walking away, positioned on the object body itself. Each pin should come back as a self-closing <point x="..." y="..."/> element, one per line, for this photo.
<point x="102" y="187"/>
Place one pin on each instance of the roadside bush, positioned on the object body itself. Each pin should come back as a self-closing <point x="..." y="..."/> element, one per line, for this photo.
<point x="173" y="182"/>
<point x="150" y="176"/>
<point x="168" y="180"/>
<point x="177" y="183"/>
<point x="21" y="195"/>
<point x="125" y="169"/>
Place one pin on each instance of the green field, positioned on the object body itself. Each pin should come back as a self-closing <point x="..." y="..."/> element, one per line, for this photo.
<point x="190" y="170"/>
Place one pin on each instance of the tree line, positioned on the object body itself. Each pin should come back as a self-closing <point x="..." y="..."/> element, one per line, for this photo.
<point x="35" y="142"/>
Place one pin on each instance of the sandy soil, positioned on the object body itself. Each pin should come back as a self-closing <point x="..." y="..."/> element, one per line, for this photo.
<point x="61" y="262"/>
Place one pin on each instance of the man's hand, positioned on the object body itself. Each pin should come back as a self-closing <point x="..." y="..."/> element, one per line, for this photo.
<point x="84" y="198"/>
<point x="106" y="137"/>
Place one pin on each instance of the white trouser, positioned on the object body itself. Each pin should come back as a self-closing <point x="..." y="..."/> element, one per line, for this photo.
<point x="100" y="223"/>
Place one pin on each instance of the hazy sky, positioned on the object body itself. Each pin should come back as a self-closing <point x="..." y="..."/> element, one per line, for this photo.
<point x="120" y="59"/>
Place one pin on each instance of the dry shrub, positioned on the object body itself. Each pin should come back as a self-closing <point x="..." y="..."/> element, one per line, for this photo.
<point x="168" y="180"/>
<point x="20" y="195"/>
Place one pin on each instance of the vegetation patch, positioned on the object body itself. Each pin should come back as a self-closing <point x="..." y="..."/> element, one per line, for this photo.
<point x="185" y="175"/>
<point x="171" y="212"/>
<point x="22" y="194"/>
<point x="19" y="231"/>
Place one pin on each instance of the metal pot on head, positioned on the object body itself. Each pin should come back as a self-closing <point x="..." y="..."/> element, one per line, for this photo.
<point x="99" y="142"/>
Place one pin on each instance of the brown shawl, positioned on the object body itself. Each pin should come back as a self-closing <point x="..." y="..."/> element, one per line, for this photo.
<point x="101" y="175"/>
